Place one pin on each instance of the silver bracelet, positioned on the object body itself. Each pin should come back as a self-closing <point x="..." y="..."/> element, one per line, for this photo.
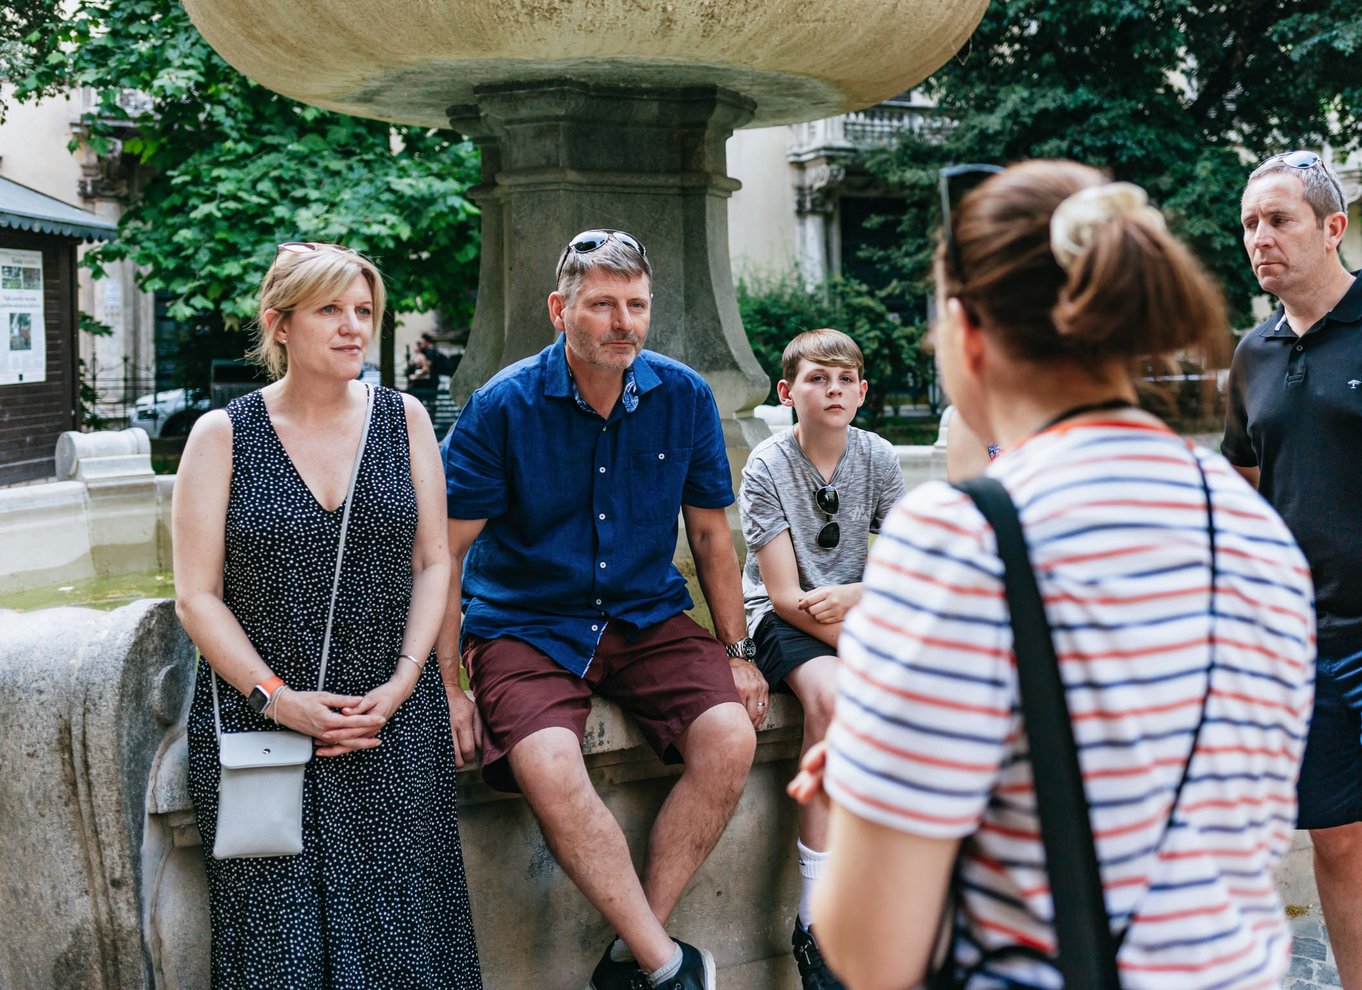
<point x="268" y="710"/>
<point x="408" y="656"/>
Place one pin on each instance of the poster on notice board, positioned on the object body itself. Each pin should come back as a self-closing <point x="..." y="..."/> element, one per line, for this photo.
<point x="23" y="338"/>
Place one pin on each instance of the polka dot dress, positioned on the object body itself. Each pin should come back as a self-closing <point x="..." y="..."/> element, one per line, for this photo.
<point x="378" y="897"/>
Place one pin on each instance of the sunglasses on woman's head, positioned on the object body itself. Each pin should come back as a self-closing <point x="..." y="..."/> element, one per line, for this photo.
<point x="593" y="240"/>
<point x="954" y="176"/>
<point x="827" y="501"/>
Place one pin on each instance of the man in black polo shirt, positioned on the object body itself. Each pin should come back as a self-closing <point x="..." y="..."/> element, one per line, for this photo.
<point x="1294" y="429"/>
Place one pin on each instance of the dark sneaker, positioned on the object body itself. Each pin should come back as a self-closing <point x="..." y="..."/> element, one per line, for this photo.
<point x="813" y="972"/>
<point x="612" y="975"/>
<point x="696" y="972"/>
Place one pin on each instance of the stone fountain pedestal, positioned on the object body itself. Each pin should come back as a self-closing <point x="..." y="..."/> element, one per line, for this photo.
<point x="597" y="113"/>
<point x="562" y="156"/>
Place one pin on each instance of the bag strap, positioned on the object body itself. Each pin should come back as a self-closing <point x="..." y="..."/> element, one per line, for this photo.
<point x="1087" y="949"/>
<point x="340" y="555"/>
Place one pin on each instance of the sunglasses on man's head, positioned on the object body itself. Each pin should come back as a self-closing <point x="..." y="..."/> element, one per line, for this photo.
<point x="307" y="247"/>
<point x="1306" y="160"/>
<point x="961" y="178"/>
<point x="593" y="240"/>
<point x="827" y="501"/>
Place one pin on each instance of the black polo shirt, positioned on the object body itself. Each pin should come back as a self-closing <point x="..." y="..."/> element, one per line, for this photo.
<point x="1295" y="413"/>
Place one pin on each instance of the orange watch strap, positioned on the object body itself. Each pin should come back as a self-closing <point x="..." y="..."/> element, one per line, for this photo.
<point x="271" y="685"/>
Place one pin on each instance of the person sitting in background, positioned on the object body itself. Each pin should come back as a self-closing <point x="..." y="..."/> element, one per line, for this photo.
<point x="436" y="363"/>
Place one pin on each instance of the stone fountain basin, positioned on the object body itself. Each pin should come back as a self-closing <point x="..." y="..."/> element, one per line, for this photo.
<point x="409" y="61"/>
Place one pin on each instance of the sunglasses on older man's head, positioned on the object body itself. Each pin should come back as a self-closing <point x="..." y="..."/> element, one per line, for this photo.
<point x="827" y="501"/>
<point x="1306" y="160"/>
<point x="954" y="181"/>
<point x="593" y="240"/>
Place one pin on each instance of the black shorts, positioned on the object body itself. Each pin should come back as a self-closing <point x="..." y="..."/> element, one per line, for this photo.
<point x="781" y="648"/>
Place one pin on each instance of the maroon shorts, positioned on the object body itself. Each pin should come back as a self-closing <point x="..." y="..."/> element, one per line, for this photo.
<point x="666" y="678"/>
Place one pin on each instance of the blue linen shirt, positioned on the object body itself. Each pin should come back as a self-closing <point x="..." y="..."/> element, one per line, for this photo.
<point x="581" y="511"/>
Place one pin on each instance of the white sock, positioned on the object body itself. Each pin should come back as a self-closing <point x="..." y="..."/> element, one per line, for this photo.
<point x="811" y="865"/>
<point x="668" y="969"/>
<point x="619" y="952"/>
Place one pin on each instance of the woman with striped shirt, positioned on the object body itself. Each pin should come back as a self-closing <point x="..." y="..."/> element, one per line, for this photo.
<point x="1051" y="281"/>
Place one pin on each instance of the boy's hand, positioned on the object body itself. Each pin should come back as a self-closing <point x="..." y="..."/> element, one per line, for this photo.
<point x="831" y="603"/>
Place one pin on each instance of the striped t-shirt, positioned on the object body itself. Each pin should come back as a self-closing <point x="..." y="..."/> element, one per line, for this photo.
<point x="927" y="737"/>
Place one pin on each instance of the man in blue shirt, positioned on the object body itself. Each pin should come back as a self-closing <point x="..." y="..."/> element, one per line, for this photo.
<point x="566" y="473"/>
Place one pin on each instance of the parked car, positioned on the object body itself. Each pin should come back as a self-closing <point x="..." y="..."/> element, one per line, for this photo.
<point x="170" y="413"/>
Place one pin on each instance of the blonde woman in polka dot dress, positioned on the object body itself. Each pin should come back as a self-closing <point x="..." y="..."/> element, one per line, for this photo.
<point x="377" y="898"/>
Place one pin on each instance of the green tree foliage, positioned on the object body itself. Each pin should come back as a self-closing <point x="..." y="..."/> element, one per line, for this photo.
<point x="1179" y="96"/>
<point x="228" y="169"/>
<point x="774" y="312"/>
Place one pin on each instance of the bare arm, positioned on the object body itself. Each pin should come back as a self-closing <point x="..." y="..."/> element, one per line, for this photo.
<point x="780" y="575"/>
<point x="878" y="907"/>
<point x="716" y="567"/>
<point x="464" y="724"/>
<point x="198" y="525"/>
<point x="429" y="565"/>
<point x="1249" y="474"/>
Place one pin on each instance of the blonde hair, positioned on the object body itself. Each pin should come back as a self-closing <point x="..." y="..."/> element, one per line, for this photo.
<point x="823" y="346"/>
<point x="300" y="277"/>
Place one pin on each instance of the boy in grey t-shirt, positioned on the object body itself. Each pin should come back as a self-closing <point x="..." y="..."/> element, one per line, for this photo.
<point x="810" y="498"/>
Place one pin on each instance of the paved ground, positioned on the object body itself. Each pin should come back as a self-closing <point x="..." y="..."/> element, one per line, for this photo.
<point x="1312" y="958"/>
<point x="1312" y="961"/>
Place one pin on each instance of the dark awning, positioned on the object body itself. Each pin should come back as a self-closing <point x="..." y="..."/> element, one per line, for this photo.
<point x="22" y="208"/>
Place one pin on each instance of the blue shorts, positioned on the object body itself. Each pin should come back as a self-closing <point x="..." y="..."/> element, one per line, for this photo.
<point x="1330" y="788"/>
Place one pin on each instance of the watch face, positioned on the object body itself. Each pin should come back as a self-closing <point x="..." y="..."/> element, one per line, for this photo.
<point x="749" y="648"/>
<point x="258" y="699"/>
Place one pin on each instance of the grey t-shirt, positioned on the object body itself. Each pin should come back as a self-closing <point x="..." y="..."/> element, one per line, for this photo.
<point x="777" y="494"/>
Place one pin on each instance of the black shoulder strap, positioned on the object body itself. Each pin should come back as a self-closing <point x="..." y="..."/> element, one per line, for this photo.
<point x="1087" y="950"/>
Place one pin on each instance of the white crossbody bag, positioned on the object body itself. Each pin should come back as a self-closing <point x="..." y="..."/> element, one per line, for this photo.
<point x="260" y="783"/>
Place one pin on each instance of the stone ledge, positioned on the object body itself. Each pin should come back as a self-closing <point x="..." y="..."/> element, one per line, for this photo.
<point x="615" y="752"/>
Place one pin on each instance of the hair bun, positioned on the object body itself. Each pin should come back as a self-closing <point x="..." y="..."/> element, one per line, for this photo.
<point x="1077" y="217"/>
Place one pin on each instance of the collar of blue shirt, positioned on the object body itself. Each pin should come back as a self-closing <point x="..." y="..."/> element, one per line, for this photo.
<point x="639" y="378"/>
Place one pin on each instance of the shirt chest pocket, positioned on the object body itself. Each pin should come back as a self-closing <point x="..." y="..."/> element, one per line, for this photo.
<point x="658" y="478"/>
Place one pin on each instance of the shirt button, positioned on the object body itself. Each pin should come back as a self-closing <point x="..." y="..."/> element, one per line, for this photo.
<point x="602" y="565"/>
<point x="595" y="628"/>
<point x="661" y="457"/>
<point x="1300" y="347"/>
<point x="598" y="601"/>
<point x="602" y="470"/>
<point x="601" y="516"/>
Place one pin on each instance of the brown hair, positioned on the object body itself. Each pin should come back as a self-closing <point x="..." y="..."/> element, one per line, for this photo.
<point x="1133" y="289"/>
<point x="825" y="346"/>
<point x="298" y="278"/>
